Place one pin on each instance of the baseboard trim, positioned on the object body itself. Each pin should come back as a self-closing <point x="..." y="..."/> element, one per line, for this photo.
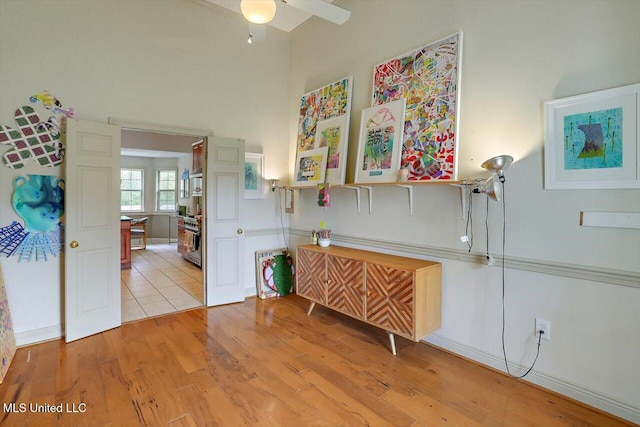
<point x="250" y="292"/>
<point x="574" y="391"/>
<point x="582" y="272"/>
<point x="38" y="335"/>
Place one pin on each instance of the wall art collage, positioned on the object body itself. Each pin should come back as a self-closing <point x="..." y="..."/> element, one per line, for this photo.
<point x="38" y="200"/>
<point x="412" y="123"/>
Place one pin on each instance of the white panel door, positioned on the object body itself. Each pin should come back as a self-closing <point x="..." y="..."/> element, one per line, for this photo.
<point x="92" y="230"/>
<point x="224" y="236"/>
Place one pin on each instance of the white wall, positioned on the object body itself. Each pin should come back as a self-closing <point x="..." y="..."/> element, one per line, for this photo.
<point x="183" y="64"/>
<point x="516" y="55"/>
<point x="171" y="63"/>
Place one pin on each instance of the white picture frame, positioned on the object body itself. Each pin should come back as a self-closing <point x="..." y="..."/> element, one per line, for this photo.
<point x="334" y="133"/>
<point x="430" y="77"/>
<point x="380" y="143"/>
<point x="318" y="108"/>
<point x="311" y="166"/>
<point x="592" y="140"/>
<point x="253" y="176"/>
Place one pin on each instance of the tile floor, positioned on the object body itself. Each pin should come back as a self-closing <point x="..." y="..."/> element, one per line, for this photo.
<point x="159" y="282"/>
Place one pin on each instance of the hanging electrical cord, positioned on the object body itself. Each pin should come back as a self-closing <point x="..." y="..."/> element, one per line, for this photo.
<point x="504" y="234"/>
<point x="486" y="226"/>
<point x="284" y="237"/>
<point x="468" y="231"/>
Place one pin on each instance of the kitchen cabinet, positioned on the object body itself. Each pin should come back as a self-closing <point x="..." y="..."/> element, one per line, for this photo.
<point x="125" y="243"/>
<point x="398" y="294"/>
<point x="197" y="149"/>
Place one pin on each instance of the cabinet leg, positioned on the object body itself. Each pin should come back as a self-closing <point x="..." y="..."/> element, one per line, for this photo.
<point x="392" y="340"/>
<point x="313" y="304"/>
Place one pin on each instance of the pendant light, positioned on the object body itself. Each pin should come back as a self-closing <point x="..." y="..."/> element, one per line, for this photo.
<point x="258" y="11"/>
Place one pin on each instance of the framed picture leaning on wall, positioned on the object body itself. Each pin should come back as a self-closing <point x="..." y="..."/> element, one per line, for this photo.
<point x="311" y="166"/>
<point x="429" y="79"/>
<point x="380" y="143"/>
<point x="323" y="121"/>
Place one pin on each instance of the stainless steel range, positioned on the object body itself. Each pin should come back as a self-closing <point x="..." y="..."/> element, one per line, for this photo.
<point x="193" y="240"/>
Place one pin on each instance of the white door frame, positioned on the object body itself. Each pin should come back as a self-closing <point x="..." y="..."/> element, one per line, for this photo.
<point x="174" y="130"/>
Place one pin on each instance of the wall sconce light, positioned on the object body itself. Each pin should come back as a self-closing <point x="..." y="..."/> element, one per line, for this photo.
<point x="258" y="11"/>
<point x="498" y="165"/>
<point x="492" y="187"/>
<point x="274" y="184"/>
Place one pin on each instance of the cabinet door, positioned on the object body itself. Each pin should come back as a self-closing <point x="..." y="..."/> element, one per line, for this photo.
<point x="345" y="285"/>
<point x="311" y="276"/>
<point x="390" y="299"/>
<point x="125" y="245"/>
<point x="198" y="154"/>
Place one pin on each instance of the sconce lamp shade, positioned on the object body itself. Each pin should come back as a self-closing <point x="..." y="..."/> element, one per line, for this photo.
<point x="493" y="188"/>
<point x="274" y="184"/>
<point x="498" y="164"/>
<point x="258" y="11"/>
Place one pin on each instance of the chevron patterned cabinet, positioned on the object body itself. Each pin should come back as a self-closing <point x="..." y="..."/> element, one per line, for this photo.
<point x="398" y="294"/>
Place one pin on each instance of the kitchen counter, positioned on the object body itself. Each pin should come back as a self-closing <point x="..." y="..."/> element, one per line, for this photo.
<point x="125" y="242"/>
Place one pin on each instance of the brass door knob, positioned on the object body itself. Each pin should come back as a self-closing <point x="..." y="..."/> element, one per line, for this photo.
<point x="74" y="244"/>
<point x="239" y="231"/>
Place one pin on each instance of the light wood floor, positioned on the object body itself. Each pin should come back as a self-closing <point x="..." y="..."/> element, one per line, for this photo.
<point x="266" y="363"/>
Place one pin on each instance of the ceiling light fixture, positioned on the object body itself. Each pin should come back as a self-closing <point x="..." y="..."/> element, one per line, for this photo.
<point x="258" y="11"/>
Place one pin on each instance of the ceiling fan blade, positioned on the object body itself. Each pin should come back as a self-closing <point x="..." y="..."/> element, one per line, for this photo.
<point x="322" y="9"/>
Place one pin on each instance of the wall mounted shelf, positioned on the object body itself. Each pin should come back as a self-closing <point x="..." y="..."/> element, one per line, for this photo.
<point x="408" y="185"/>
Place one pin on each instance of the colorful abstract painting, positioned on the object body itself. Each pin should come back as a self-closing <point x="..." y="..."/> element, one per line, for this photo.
<point x="253" y="176"/>
<point x="33" y="140"/>
<point x="428" y="79"/>
<point x="250" y="176"/>
<point x="333" y="133"/>
<point x="39" y="201"/>
<point x="593" y="140"/>
<point x="7" y="336"/>
<point x="311" y="166"/>
<point x="379" y="146"/>
<point x="324" y="119"/>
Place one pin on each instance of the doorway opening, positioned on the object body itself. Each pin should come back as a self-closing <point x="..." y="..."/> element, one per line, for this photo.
<point x="167" y="274"/>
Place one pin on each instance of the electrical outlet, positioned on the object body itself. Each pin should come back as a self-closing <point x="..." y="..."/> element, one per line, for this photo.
<point x="543" y="325"/>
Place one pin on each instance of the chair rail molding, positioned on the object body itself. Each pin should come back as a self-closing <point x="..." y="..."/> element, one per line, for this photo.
<point x="583" y="272"/>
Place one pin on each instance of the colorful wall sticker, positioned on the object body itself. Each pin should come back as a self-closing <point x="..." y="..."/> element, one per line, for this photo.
<point x="31" y="140"/>
<point x="39" y="202"/>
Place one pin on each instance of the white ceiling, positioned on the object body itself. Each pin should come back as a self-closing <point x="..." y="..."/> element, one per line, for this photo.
<point x="154" y="144"/>
<point x="287" y="18"/>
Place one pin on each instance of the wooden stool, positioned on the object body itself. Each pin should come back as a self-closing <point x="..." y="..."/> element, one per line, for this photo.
<point x="139" y="232"/>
